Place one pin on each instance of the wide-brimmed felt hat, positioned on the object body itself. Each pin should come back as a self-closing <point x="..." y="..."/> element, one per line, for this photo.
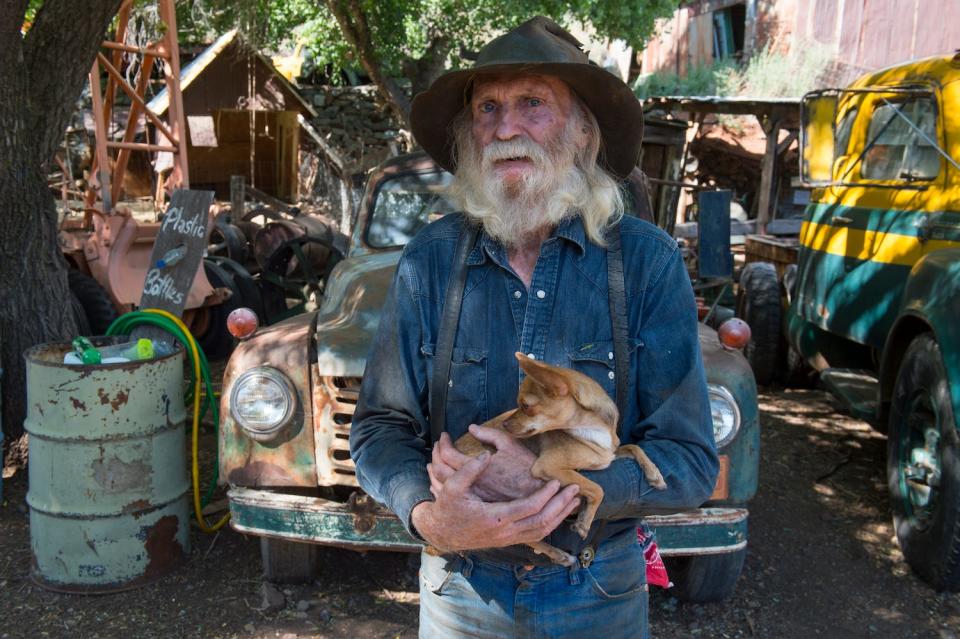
<point x="538" y="46"/>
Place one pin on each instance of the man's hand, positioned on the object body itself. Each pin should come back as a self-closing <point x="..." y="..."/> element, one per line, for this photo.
<point x="459" y="520"/>
<point x="506" y="477"/>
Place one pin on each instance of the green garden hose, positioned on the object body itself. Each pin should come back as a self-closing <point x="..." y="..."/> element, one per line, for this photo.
<point x="124" y="325"/>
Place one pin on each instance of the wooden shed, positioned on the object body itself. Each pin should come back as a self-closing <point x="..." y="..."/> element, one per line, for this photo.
<point x="243" y="118"/>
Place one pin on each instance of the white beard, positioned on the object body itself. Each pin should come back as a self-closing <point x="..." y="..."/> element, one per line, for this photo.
<point x="513" y="212"/>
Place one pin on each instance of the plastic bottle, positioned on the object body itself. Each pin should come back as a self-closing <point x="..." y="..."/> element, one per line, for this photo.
<point x="85" y="351"/>
<point x="172" y="256"/>
<point x="87" y="354"/>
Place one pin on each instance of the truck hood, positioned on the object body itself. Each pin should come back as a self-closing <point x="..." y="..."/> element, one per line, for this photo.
<point x="348" y="319"/>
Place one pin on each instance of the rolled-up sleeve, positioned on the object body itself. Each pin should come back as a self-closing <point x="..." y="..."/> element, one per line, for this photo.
<point x="675" y="426"/>
<point x="388" y="433"/>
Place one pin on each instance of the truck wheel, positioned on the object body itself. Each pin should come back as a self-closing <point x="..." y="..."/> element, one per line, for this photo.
<point x="705" y="578"/>
<point x="758" y="304"/>
<point x="216" y="341"/>
<point x="288" y="562"/>
<point x="80" y="316"/>
<point x="923" y="466"/>
<point x="94" y="300"/>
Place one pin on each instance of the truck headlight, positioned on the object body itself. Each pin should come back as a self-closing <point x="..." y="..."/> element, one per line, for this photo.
<point x="725" y="413"/>
<point x="262" y="402"/>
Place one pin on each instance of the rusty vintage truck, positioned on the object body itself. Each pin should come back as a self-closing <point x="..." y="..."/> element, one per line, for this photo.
<point x="289" y="394"/>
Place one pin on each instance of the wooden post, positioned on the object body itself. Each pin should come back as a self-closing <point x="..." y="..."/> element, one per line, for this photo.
<point x="768" y="174"/>
<point x="237" y="195"/>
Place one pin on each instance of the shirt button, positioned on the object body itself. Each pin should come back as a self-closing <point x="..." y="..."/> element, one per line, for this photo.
<point x="610" y="355"/>
<point x="611" y="375"/>
<point x="517" y="294"/>
<point x="531" y="356"/>
<point x="541" y="294"/>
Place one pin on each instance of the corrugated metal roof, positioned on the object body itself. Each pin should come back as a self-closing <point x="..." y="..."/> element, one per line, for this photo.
<point x="742" y="105"/>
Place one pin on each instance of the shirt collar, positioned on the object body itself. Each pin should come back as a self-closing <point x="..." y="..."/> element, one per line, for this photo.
<point x="571" y="229"/>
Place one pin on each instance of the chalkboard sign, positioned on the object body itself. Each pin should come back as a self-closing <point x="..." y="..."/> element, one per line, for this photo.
<point x="177" y="254"/>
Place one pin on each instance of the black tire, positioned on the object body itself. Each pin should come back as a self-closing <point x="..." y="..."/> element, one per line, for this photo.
<point x="80" y="316"/>
<point x="705" y="578"/>
<point x="94" y="300"/>
<point x="758" y="304"/>
<point x="795" y="372"/>
<point x="923" y="466"/>
<point x="216" y="341"/>
<point x="288" y="562"/>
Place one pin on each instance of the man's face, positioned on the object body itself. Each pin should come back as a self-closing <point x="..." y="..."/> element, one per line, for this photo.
<point x="506" y="108"/>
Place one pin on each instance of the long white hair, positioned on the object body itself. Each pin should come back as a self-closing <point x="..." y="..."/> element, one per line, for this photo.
<point x="569" y="180"/>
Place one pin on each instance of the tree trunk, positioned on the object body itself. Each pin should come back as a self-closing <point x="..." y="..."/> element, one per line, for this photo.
<point x="356" y="31"/>
<point x="41" y="76"/>
<point x="423" y="71"/>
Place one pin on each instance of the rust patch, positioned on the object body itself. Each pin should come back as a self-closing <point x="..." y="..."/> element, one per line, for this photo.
<point x="39" y="408"/>
<point x="77" y="404"/>
<point x="119" y="400"/>
<point x="134" y="507"/>
<point x="162" y="546"/>
<point x="115" y="403"/>
<point x="364" y="512"/>
<point x="261" y="473"/>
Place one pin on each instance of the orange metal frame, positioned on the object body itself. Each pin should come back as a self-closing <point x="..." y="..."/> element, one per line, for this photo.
<point x="115" y="247"/>
<point x="106" y="181"/>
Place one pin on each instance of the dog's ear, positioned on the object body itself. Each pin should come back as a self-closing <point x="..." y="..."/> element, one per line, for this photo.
<point x="545" y="375"/>
<point x="593" y="398"/>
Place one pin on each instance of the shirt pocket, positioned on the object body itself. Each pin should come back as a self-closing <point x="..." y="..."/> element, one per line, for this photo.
<point x="596" y="360"/>
<point x="467" y="386"/>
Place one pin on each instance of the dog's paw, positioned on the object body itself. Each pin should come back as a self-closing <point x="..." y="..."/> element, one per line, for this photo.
<point x="656" y="480"/>
<point x="567" y="560"/>
<point x="581" y="529"/>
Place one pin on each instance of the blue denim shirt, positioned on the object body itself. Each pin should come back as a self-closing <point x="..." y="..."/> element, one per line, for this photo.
<point x="563" y="319"/>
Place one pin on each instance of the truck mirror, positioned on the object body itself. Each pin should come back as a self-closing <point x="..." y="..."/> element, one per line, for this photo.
<point x="818" y="116"/>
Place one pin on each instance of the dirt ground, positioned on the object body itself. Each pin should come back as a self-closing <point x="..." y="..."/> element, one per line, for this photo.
<point x="822" y="562"/>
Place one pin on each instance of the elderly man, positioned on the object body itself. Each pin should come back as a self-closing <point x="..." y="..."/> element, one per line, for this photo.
<point x="539" y="261"/>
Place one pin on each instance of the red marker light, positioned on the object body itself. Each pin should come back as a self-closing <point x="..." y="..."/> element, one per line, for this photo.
<point x="734" y="333"/>
<point x="242" y="323"/>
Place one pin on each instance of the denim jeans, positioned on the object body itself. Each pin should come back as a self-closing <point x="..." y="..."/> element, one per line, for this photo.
<point x="466" y="596"/>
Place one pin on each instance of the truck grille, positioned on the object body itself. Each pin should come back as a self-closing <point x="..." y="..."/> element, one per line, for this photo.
<point x="335" y="402"/>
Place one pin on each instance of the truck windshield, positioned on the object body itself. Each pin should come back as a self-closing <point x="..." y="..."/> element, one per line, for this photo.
<point x="897" y="150"/>
<point x="404" y="205"/>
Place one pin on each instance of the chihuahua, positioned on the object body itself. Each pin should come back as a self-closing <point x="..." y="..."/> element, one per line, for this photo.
<point x="570" y="423"/>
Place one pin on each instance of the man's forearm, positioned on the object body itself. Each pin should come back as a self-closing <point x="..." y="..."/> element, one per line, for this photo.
<point x="627" y="493"/>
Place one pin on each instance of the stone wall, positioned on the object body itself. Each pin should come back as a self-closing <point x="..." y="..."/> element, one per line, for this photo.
<point x="357" y="123"/>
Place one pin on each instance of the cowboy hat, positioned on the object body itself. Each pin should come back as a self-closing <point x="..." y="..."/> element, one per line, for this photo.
<point x="538" y="46"/>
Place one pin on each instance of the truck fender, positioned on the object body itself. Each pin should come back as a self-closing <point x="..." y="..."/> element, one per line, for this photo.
<point x="931" y="302"/>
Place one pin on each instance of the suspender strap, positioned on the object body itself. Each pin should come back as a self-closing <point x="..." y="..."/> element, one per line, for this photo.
<point x="443" y="357"/>
<point x="618" y="318"/>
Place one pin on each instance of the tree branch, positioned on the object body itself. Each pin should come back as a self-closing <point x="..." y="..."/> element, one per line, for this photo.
<point x="353" y="25"/>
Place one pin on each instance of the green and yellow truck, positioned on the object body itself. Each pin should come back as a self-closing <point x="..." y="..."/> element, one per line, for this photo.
<point x="874" y="301"/>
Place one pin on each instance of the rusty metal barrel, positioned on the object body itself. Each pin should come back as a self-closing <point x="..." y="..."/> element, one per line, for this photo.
<point x="108" y="491"/>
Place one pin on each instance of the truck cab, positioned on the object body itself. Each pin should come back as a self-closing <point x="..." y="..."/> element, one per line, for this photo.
<point x="290" y="390"/>
<point x="876" y="296"/>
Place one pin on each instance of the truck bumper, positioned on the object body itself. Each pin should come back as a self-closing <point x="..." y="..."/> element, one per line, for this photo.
<point x="362" y="524"/>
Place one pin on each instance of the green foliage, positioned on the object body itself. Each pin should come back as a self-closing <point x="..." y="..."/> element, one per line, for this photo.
<point x="719" y="78"/>
<point x="402" y="30"/>
<point x="771" y="73"/>
<point x="768" y="73"/>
